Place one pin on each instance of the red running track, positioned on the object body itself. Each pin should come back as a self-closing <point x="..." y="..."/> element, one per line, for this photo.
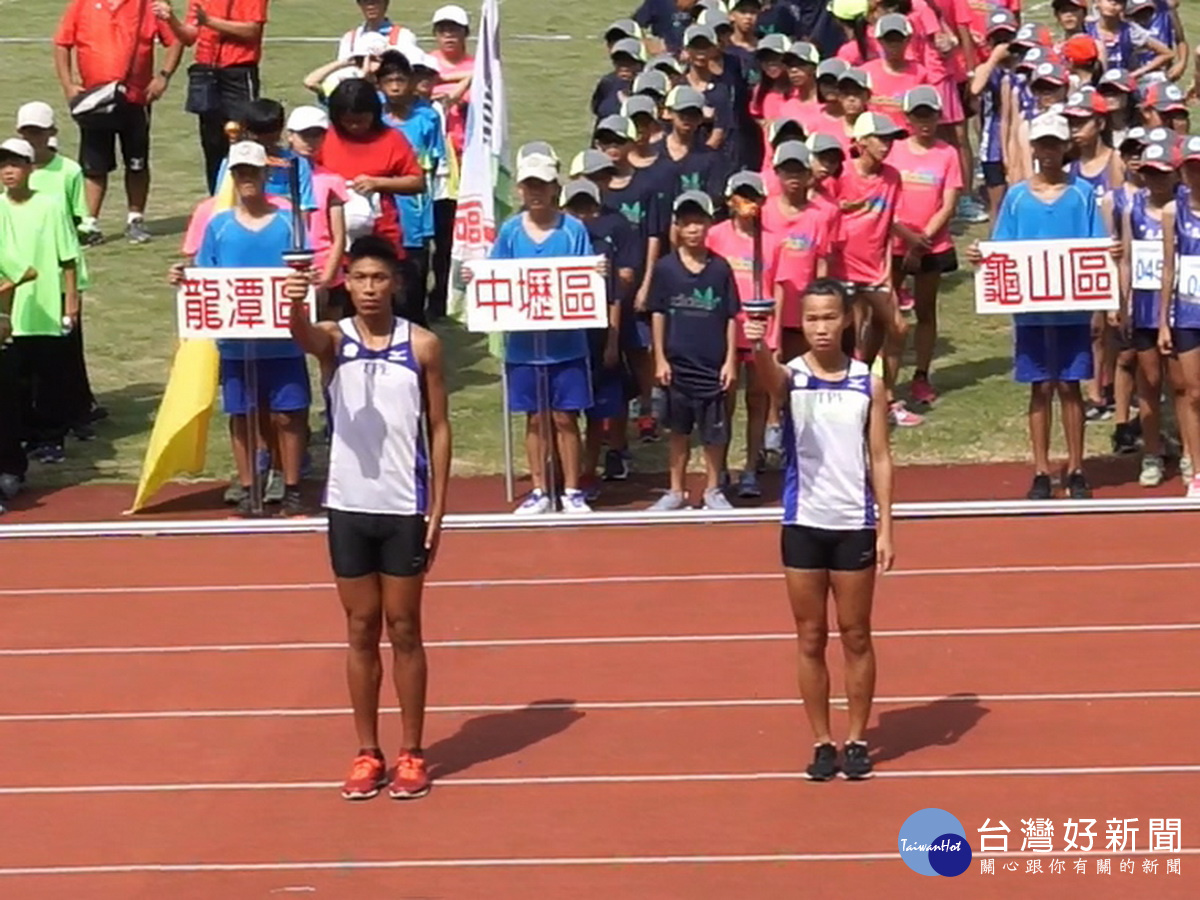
<point x="612" y="716"/>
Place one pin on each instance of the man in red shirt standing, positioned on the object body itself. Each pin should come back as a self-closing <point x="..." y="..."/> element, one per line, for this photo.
<point x="99" y="42"/>
<point x="224" y="77"/>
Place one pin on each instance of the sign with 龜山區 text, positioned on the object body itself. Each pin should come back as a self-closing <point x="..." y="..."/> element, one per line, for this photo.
<point x="1071" y="275"/>
<point x="553" y="294"/>
<point x="236" y="304"/>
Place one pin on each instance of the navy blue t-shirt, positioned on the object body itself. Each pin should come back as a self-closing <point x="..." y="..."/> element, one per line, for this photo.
<point x="606" y="98"/>
<point x="697" y="308"/>
<point x="779" y="18"/>
<point x="703" y="169"/>
<point x="643" y="202"/>
<point x="616" y="239"/>
<point x="665" y="21"/>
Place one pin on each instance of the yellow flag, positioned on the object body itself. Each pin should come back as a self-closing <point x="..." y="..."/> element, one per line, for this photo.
<point x="179" y="441"/>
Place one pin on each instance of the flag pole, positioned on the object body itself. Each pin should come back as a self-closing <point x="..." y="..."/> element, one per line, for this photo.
<point x="506" y="425"/>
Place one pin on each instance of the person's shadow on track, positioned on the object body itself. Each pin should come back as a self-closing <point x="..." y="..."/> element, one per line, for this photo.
<point x="495" y="735"/>
<point x="940" y="723"/>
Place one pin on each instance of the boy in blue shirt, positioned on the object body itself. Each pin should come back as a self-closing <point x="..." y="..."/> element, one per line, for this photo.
<point x="548" y="371"/>
<point x="418" y="121"/>
<point x="256" y="233"/>
<point x="1052" y="351"/>
<point x="263" y="123"/>
<point x="694" y="305"/>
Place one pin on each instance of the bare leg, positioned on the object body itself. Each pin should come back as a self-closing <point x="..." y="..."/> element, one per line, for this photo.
<point x="853" y="593"/>
<point x="1150" y="400"/>
<point x="758" y="407"/>
<point x="1188" y="402"/>
<point x="363" y="602"/>
<point x="243" y="456"/>
<point x="535" y="450"/>
<point x="679" y="449"/>
<point x="807" y="590"/>
<point x="137" y="189"/>
<point x="925" y="293"/>
<point x="291" y="433"/>
<point x="94" y="189"/>
<point x="570" y="447"/>
<point x="402" y="609"/>
<point x="1070" y="398"/>
<point x="1041" y="415"/>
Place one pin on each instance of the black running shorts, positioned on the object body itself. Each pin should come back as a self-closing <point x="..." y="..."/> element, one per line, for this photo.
<point x="824" y="549"/>
<point x="373" y="544"/>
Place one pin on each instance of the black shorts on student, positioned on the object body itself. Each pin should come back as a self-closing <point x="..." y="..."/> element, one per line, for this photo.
<point x="942" y="263"/>
<point x="98" y="146"/>
<point x="1183" y="340"/>
<point x="825" y="549"/>
<point x="363" y="544"/>
<point x="688" y="412"/>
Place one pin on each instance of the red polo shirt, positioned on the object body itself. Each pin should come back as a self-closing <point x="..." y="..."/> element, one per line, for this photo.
<point x="105" y="33"/>
<point x="221" y="50"/>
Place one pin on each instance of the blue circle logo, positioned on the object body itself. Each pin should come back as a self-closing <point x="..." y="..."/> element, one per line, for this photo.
<point x="933" y="842"/>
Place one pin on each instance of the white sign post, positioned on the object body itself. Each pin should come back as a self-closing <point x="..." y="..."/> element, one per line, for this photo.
<point x="236" y="304"/>
<point x="1071" y="275"/>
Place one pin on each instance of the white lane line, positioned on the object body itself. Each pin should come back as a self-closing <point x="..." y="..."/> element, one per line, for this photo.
<point x="596" y="580"/>
<point x="588" y="705"/>
<point x="618" y="640"/>
<point x="532" y="861"/>
<point x="553" y="780"/>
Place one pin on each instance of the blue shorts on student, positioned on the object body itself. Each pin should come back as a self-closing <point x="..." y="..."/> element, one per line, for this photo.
<point x="280" y="371"/>
<point x="1052" y="347"/>
<point x="609" y="385"/>
<point x="548" y="370"/>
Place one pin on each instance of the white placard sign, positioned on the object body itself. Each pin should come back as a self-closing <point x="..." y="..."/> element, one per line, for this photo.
<point x="235" y="304"/>
<point x="1146" y="263"/>
<point x="1189" y="279"/>
<point x="1072" y="275"/>
<point x="553" y="294"/>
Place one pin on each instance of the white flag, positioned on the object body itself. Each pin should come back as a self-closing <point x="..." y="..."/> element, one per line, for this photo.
<point x="485" y="179"/>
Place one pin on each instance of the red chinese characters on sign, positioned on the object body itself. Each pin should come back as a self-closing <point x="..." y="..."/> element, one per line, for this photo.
<point x="576" y="298"/>
<point x="246" y="308"/>
<point x="1001" y="284"/>
<point x="235" y="304"/>
<point x="537" y="295"/>
<point x="494" y="293"/>
<point x="1056" y="275"/>
<point x="470" y="226"/>
<point x="202" y="304"/>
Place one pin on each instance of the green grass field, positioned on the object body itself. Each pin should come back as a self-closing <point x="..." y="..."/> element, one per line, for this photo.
<point x="130" y="312"/>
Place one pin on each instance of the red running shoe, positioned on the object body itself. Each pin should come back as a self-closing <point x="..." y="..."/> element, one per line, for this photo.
<point x="411" y="781"/>
<point x="367" y="778"/>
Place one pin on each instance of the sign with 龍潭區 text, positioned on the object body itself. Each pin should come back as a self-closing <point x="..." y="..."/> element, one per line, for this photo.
<point x="236" y="304"/>
<point x="552" y="294"/>
<point x="1071" y="275"/>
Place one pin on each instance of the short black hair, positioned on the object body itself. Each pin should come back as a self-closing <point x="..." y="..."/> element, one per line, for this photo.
<point x="372" y="246"/>
<point x="263" y="116"/>
<point x="393" y="62"/>
<point x="354" y="96"/>
<point x="829" y="287"/>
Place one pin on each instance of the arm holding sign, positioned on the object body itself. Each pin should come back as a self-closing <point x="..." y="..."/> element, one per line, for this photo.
<point x="1165" y="344"/>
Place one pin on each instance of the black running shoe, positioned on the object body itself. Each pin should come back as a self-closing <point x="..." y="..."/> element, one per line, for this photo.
<point x="1041" y="489"/>
<point x="1124" y="439"/>
<point x="824" y="765"/>
<point x="1077" y="486"/>
<point x="856" y="762"/>
<point x="293" y="504"/>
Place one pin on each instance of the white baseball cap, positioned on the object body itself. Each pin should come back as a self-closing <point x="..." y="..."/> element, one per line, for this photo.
<point x="248" y="153"/>
<point x="305" y="118"/>
<point x="454" y="14"/>
<point x="35" y="115"/>
<point x="18" y="147"/>
<point x="1050" y="125"/>
<point x="370" y="43"/>
<point x="538" y="167"/>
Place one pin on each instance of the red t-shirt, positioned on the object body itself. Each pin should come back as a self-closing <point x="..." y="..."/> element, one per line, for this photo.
<point x="104" y="36"/>
<point x="868" y="204"/>
<point x="804" y="239"/>
<point x="925" y="176"/>
<point x="221" y="50"/>
<point x="383" y="154"/>
<point x="888" y="88"/>
<point x="737" y="249"/>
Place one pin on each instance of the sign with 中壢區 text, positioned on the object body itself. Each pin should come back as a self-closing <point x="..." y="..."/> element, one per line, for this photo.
<point x="553" y="294"/>
<point x="1069" y="275"/>
<point x="236" y="304"/>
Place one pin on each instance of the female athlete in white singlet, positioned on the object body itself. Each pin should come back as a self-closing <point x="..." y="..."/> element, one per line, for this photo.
<point x="386" y="496"/>
<point x="837" y="468"/>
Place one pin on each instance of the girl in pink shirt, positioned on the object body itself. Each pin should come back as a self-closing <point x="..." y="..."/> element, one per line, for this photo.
<point x="806" y="233"/>
<point x="733" y="240"/>
<point x="774" y="88"/>
<point x="893" y="75"/>
<point x="870" y="189"/>
<point x="931" y="181"/>
<point x="854" y="95"/>
<point x="777" y="132"/>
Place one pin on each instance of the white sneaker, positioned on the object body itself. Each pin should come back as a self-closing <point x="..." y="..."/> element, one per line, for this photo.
<point x="575" y="502"/>
<point x="1185" y="468"/>
<point x="714" y="498"/>
<point x="669" y="502"/>
<point x="1193" y="491"/>
<point x="773" y="439"/>
<point x="1152" y="471"/>
<point x="537" y="503"/>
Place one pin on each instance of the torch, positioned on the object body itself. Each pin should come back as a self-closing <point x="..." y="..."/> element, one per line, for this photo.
<point x="759" y="306"/>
